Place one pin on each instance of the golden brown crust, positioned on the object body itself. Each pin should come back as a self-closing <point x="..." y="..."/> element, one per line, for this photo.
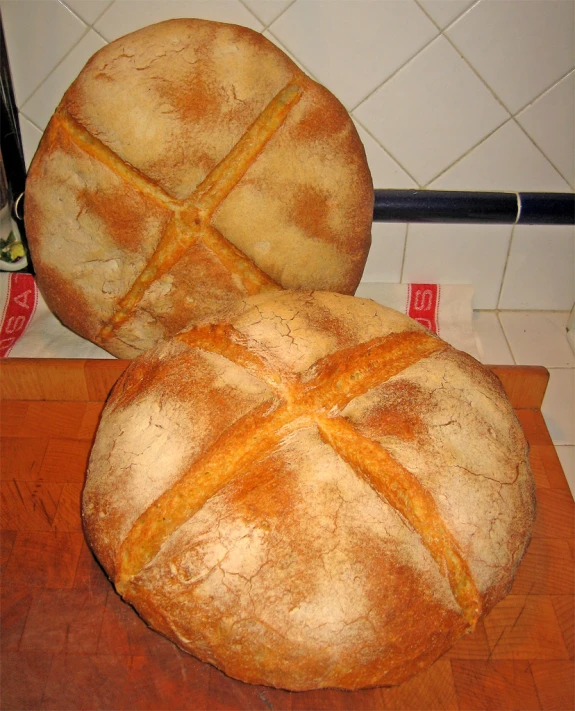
<point x="195" y="133"/>
<point x="328" y="528"/>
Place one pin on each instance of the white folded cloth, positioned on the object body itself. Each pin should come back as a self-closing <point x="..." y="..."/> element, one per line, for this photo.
<point x="445" y="309"/>
<point x="28" y="329"/>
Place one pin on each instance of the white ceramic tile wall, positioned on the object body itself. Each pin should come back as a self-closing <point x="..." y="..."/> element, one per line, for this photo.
<point x="453" y="254"/>
<point x="443" y="12"/>
<point x="537" y="338"/>
<point x="125" y="16"/>
<point x="41" y="103"/>
<point x="267" y="11"/>
<point x="31" y="136"/>
<point x="88" y="10"/>
<point x="491" y="342"/>
<point x="507" y="160"/>
<point x="451" y="94"/>
<point x="39" y="34"/>
<point x="422" y="138"/>
<point x="519" y="47"/>
<point x="385" y="260"/>
<point x="540" y="268"/>
<point x="373" y="39"/>
<point x="550" y="122"/>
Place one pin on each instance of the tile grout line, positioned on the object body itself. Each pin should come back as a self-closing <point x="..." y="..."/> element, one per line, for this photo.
<point x="509" y="113"/>
<point x="467" y="152"/>
<point x="478" y="75"/>
<point x="512" y="114"/>
<point x="386" y="151"/>
<point x="488" y="336"/>
<point x="404" y="254"/>
<point x="451" y="22"/>
<point x="100" y="35"/>
<point x="396" y="71"/>
<point x="283" y="47"/>
<point x="89" y="24"/>
<point x="379" y="86"/>
<point x="253" y="14"/>
<point x="86" y="30"/>
<point x="501" y="326"/>
<point x="520" y="127"/>
<point x="266" y="27"/>
<point x="545" y="91"/>
<point x="30" y="120"/>
<point x="101" y="15"/>
<point x="509" y="247"/>
<point x="278" y="17"/>
<point x="535" y="313"/>
<point x="442" y="33"/>
<point x="451" y="165"/>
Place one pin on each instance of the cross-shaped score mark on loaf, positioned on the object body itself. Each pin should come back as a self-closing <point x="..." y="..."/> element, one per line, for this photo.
<point x="191" y="221"/>
<point x="315" y="397"/>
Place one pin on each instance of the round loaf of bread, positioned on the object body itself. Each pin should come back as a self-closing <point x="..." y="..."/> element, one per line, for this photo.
<point x="189" y="165"/>
<point x="319" y="494"/>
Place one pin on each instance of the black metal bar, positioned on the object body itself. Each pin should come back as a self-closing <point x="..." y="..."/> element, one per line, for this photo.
<point x="473" y="207"/>
<point x="547" y="209"/>
<point x="444" y="206"/>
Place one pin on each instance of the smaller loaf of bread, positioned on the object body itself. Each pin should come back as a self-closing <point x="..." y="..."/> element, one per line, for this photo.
<point x="189" y="165"/>
<point x="319" y="494"/>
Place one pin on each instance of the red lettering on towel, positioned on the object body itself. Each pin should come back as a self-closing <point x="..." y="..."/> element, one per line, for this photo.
<point x="21" y="301"/>
<point x="423" y="305"/>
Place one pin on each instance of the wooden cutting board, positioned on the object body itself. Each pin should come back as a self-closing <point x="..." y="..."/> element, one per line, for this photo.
<point x="69" y="642"/>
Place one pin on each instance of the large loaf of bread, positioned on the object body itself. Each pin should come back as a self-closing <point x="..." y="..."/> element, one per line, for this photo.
<point x="320" y="493"/>
<point x="190" y="164"/>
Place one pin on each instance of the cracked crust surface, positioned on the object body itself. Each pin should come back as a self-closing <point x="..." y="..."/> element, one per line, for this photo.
<point x="317" y="494"/>
<point x="189" y="165"/>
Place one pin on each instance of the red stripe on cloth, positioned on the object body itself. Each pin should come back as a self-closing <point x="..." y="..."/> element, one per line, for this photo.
<point x="423" y="305"/>
<point x="20" y="306"/>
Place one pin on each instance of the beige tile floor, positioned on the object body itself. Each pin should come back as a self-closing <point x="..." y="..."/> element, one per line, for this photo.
<point x="537" y="338"/>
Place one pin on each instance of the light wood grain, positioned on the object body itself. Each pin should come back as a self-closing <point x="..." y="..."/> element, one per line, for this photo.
<point x="91" y="380"/>
<point x="47" y="379"/>
<point x="525" y="386"/>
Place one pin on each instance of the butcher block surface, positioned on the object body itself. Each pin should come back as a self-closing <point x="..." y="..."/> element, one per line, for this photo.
<point x="68" y="641"/>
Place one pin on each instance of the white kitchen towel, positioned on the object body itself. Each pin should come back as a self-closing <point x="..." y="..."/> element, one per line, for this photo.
<point x="445" y="309"/>
<point x="29" y="330"/>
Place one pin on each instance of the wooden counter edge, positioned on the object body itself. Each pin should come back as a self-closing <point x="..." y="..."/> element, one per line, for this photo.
<point x="65" y="379"/>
